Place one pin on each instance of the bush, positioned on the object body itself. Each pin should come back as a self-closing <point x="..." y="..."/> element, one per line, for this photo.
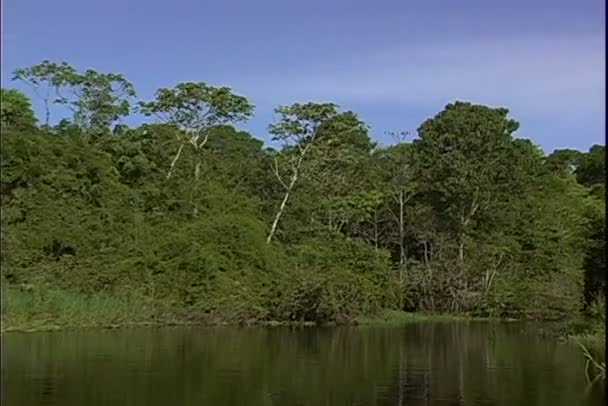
<point x="336" y="281"/>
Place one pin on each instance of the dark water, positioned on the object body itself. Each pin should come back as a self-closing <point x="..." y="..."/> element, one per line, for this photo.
<point x="420" y="364"/>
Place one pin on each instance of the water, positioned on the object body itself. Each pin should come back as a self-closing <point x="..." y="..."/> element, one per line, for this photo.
<point x="461" y="363"/>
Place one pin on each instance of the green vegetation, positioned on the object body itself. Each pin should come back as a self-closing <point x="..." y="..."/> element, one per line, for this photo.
<point x="590" y="335"/>
<point x="52" y="308"/>
<point x="187" y="219"/>
<point x="599" y="368"/>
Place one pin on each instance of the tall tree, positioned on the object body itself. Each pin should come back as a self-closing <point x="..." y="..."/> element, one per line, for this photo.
<point x="96" y="99"/>
<point x="299" y="128"/>
<point x="194" y="108"/>
<point x="460" y="157"/>
<point x="396" y="169"/>
<point x="336" y="179"/>
<point x="45" y="79"/>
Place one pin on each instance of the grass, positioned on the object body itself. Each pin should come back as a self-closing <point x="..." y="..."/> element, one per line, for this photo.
<point x="50" y="309"/>
<point x="36" y="309"/>
<point x="54" y="309"/>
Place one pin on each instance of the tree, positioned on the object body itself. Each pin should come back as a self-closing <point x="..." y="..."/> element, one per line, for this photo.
<point x="397" y="174"/>
<point x="594" y="263"/>
<point x="16" y="110"/>
<point x="96" y="99"/>
<point x="334" y="188"/>
<point x="194" y="108"/>
<point x="46" y="79"/>
<point x="564" y="160"/>
<point x="591" y="170"/>
<point x="473" y="218"/>
<point x="589" y="167"/>
<point x="299" y="128"/>
<point x="460" y="157"/>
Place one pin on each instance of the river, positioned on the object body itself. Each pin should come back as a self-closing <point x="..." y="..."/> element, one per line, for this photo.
<point x="426" y="363"/>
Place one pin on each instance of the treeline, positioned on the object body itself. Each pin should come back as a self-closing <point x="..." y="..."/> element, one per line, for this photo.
<point x="187" y="217"/>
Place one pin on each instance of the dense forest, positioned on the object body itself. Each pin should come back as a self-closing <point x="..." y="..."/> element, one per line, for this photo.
<point x="187" y="218"/>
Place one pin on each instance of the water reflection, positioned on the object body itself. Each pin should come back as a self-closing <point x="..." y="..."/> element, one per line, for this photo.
<point x="421" y="364"/>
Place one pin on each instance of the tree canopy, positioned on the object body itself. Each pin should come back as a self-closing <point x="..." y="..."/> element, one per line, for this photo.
<point x="192" y="218"/>
<point x="16" y="110"/>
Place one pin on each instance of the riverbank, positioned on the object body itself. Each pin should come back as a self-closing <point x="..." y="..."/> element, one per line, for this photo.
<point x="590" y="335"/>
<point x="32" y="310"/>
<point x="55" y="309"/>
<point x="386" y="317"/>
<point x="397" y="317"/>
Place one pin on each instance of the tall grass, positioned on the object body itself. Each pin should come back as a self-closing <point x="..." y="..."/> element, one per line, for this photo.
<point x="32" y="309"/>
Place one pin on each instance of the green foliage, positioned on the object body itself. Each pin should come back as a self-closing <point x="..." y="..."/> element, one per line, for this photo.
<point x="46" y="79"/>
<point x="594" y="263"/>
<point x="589" y="168"/>
<point x="121" y="234"/>
<point x="460" y="157"/>
<point x="301" y="121"/>
<point x="197" y="106"/>
<point x="337" y="280"/>
<point x="194" y="109"/>
<point x="53" y="308"/>
<point x="300" y="124"/>
<point x="16" y="110"/>
<point x="322" y="152"/>
<point x="564" y="160"/>
<point x="592" y="168"/>
<point x="100" y="99"/>
<point x="465" y="219"/>
<point x="46" y="73"/>
<point x="96" y="99"/>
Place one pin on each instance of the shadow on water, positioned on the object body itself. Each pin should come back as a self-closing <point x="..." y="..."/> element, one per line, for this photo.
<point x="450" y="363"/>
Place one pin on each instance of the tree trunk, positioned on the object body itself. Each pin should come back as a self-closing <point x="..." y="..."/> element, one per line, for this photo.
<point x="47" y="113"/>
<point x="288" y="188"/>
<point x="461" y="249"/>
<point x="376" y="229"/>
<point x="273" y="229"/>
<point x="174" y="161"/>
<point x="197" y="171"/>
<point x="402" y="252"/>
<point x="465" y="219"/>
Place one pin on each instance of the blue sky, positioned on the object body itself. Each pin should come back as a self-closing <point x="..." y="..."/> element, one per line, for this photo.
<point x="395" y="63"/>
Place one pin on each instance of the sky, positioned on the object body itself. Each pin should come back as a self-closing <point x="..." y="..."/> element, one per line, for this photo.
<point x="395" y="63"/>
